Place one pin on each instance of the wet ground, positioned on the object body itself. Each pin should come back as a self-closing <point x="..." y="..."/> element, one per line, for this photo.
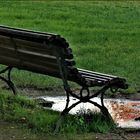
<point x="126" y="113"/>
<point x="125" y="109"/>
<point x="10" y="131"/>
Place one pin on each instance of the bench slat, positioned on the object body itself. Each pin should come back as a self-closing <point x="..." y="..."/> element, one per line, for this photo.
<point x="38" y="68"/>
<point x="24" y="34"/>
<point x="95" y="78"/>
<point x="96" y="74"/>
<point x="7" y="51"/>
<point x="33" y="36"/>
<point x="28" y="55"/>
<point x="10" y="61"/>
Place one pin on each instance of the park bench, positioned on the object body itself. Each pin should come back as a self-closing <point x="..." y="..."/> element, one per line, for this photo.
<point x="50" y="54"/>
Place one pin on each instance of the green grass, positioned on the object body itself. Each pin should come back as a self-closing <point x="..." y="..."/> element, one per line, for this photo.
<point x="104" y="36"/>
<point x="27" y="113"/>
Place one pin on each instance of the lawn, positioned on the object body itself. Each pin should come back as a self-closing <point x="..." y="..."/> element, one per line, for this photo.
<point x="104" y="36"/>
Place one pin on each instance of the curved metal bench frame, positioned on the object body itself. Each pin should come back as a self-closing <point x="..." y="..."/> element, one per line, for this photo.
<point x="8" y="79"/>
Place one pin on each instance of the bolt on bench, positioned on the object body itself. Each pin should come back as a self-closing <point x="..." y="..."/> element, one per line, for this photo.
<point x="50" y="54"/>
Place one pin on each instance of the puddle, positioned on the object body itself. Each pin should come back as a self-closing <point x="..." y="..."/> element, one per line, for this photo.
<point x="126" y="113"/>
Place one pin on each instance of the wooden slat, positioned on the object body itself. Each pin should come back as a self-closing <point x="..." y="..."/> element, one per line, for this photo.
<point x="7" y="51"/>
<point x="95" y="78"/>
<point x="38" y="68"/>
<point x="33" y="36"/>
<point x="27" y="65"/>
<point x="96" y="74"/>
<point x="25" y="30"/>
<point x="24" y="34"/>
<point x="43" y="48"/>
<point x="9" y="61"/>
<point x="45" y="60"/>
<point x="37" y="61"/>
<point x="32" y="59"/>
<point x="44" y="45"/>
<point x="11" y="40"/>
<point x="5" y="40"/>
<point x="30" y="54"/>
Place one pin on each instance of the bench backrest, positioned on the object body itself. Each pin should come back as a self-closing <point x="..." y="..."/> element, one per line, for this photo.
<point x="45" y="53"/>
<point x="39" y="52"/>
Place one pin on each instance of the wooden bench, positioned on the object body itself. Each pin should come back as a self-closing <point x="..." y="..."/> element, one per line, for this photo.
<point x="50" y="54"/>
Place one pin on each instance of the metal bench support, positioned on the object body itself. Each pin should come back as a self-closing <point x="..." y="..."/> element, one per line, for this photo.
<point x="87" y="99"/>
<point x="84" y="99"/>
<point x="8" y="79"/>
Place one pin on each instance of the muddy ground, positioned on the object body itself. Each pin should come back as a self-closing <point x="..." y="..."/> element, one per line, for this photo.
<point x="10" y="131"/>
<point x="35" y="92"/>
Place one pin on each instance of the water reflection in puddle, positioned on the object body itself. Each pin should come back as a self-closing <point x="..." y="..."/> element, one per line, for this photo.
<point x="126" y="113"/>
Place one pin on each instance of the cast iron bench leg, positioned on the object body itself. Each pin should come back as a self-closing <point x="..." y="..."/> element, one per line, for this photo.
<point x="8" y="80"/>
<point x="87" y="99"/>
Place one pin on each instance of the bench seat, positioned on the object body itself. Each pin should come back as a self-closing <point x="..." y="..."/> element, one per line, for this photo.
<point x="100" y="79"/>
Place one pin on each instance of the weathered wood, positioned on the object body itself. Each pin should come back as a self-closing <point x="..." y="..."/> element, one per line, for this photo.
<point x="42" y="48"/>
<point x="92" y="73"/>
<point x="9" y="61"/>
<point x="25" y="34"/>
<point x="26" y="56"/>
<point x="33" y="36"/>
<point x="7" y="51"/>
